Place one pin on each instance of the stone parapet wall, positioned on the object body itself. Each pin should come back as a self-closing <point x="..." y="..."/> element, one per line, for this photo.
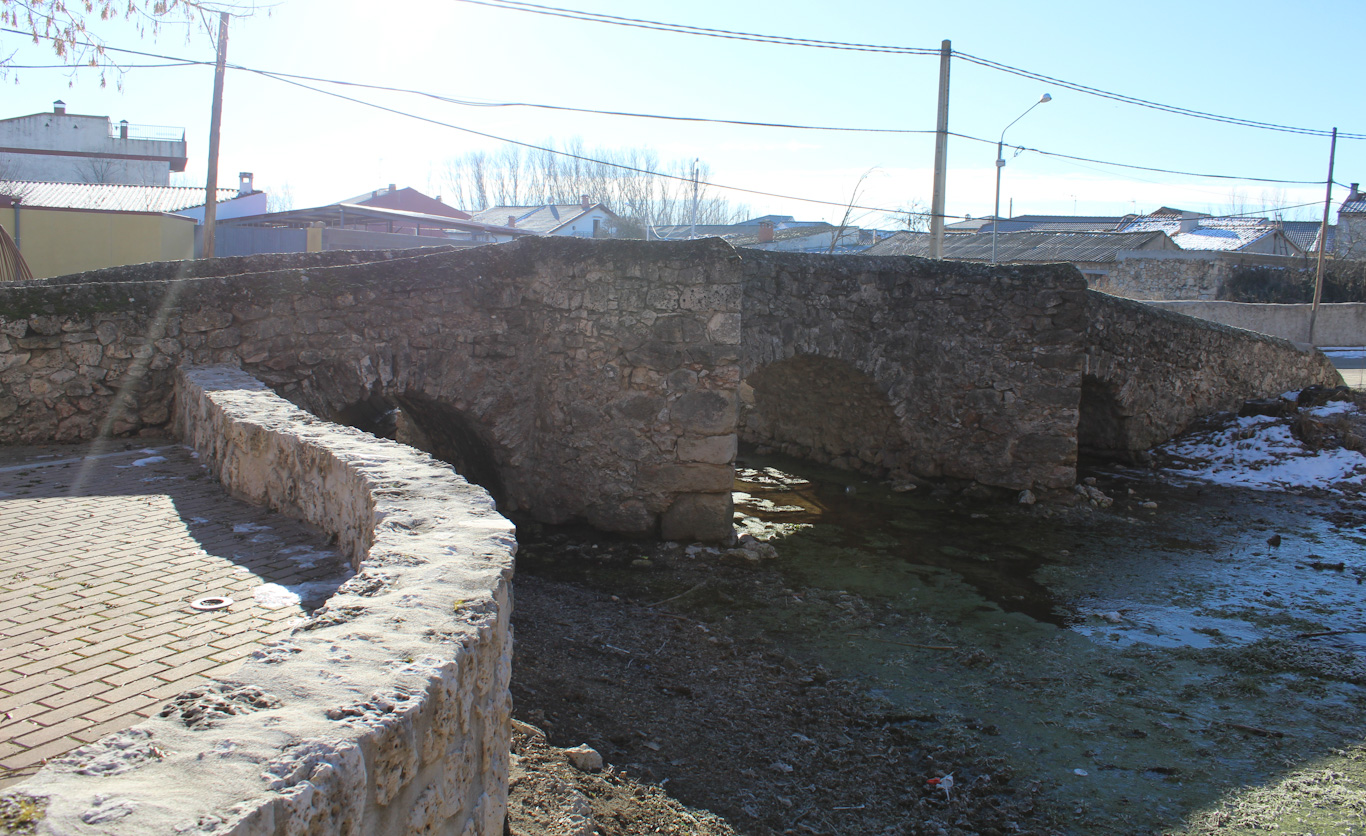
<point x="581" y="379"/>
<point x="898" y="365"/>
<point x="387" y="712"/>
<point x="1182" y="275"/>
<point x="1338" y="323"/>
<point x="1151" y="372"/>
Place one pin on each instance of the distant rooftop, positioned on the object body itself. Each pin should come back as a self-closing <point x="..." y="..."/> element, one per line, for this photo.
<point x="1044" y="247"/>
<point x="109" y="197"/>
<point x="1209" y="233"/>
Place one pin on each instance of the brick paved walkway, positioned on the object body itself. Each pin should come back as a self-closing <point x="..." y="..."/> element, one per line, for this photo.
<point x="100" y="559"/>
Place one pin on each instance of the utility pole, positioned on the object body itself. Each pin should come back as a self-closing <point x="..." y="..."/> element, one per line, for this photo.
<point x="941" y="154"/>
<point x="1323" y="237"/>
<point x="693" y="233"/>
<point x="215" y="122"/>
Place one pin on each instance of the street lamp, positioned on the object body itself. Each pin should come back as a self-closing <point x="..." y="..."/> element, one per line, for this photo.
<point x="1000" y="164"/>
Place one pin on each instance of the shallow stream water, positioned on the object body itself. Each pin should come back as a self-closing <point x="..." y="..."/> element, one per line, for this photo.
<point x="1147" y="664"/>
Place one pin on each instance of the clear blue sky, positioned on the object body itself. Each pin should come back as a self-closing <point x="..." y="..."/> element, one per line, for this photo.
<point x="1276" y="62"/>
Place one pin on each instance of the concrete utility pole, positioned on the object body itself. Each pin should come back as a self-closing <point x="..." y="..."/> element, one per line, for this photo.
<point x="215" y="122"/>
<point x="941" y="154"/>
<point x="1323" y="237"/>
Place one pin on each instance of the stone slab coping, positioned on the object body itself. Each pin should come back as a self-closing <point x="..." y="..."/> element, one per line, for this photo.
<point x="386" y="712"/>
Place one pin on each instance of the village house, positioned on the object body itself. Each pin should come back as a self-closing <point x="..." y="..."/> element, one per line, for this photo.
<point x="72" y="148"/>
<point x="584" y="219"/>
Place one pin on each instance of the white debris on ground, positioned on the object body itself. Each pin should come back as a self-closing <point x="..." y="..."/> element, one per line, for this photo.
<point x="274" y="596"/>
<point x="1262" y="452"/>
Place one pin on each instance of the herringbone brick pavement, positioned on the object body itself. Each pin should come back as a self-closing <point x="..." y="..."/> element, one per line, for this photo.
<point x="102" y="551"/>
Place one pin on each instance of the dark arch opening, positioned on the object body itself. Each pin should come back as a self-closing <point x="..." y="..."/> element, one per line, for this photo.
<point x="445" y="432"/>
<point x="824" y="411"/>
<point x="1102" y="430"/>
<point x="432" y="427"/>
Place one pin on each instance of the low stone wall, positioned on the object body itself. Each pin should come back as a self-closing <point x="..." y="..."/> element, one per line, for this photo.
<point x="1181" y="275"/>
<point x="1338" y="324"/>
<point x="1151" y="372"/>
<point x="387" y="712"/>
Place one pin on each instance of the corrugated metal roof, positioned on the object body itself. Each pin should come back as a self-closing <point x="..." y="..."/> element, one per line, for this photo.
<point x="751" y="236"/>
<point x="107" y="196"/>
<point x="1021" y="246"/>
<point x="539" y="219"/>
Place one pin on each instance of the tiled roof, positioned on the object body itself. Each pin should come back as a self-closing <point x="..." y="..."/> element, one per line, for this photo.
<point x="1353" y="207"/>
<point x="539" y="219"/>
<point x="108" y="197"/>
<point x="1305" y="234"/>
<point x="1210" y="234"/>
<point x="1021" y="246"/>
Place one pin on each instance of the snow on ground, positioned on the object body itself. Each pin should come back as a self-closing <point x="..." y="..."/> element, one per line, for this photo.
<point x="1260" y="452"/>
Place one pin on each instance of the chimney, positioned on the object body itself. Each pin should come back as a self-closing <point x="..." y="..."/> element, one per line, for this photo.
<point x="1354" y="195"/>
<point x="123" y="129"/>
<point x="765" y="232"/>
<point x="584" y="202"/>
<point x="1189" y="224"/>
<point x="392" y="188"/>
<point x="512" y="220"/>
<point x="244" y="186"/>
<point x="59" y="107"/>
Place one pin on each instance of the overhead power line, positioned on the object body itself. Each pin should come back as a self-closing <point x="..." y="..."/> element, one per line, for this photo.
<point x="685" y="29"/>
<point x="532" y="146"/>
<point x="783" y="40"/>
<point x="1134" y="100"/>
<point x="178" y="62"/>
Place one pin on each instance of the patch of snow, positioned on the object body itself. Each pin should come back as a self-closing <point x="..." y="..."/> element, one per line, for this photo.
<point x="148" y="460"/>
<point x="247" y="528"/>
<point x="1260" y="452"/>
<point x="1333" y="408"/>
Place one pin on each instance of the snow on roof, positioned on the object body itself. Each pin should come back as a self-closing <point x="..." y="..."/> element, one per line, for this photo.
<point x="1209" y="233"/>
<point x="1353" y="207"/>
<point x="541" y="219"/>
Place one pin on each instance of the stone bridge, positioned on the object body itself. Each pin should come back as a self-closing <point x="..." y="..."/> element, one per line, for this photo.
<point x="609" y="382"/>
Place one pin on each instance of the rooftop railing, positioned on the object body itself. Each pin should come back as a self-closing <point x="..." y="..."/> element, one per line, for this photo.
<point x="124" y="130"/>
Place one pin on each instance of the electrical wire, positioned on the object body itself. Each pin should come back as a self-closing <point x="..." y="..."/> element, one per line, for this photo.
<point x="571" y="155"/>
<point x="684" y="29"/>
<point x="699" y="119"/>
<point x="295" y="79"/>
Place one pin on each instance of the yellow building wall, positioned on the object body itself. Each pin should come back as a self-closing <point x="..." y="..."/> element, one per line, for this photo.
<point x="56" y="242"/>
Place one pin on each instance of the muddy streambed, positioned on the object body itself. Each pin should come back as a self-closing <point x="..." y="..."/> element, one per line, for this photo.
<point x="1150" y="667"/>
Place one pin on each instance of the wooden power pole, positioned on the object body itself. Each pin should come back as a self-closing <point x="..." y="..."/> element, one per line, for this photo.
<point x="215" y="123"/>
<point x="941" y="154"/>
<point x="1323" y="238"/>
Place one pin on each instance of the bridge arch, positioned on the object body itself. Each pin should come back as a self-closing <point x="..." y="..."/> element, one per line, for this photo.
<point x="824" y="410"/>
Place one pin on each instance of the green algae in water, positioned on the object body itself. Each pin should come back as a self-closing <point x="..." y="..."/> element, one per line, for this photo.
<point x="1175" y="717"/>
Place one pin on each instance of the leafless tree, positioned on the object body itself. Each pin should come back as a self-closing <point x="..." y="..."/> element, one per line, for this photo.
<point x="71" y="26"/>
<point x="631" y="181"/>
<point x="280" y="198"/>
<point x="99" y="170"/>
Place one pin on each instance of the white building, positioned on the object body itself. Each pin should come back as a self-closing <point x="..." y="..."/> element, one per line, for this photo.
<point x="70" y="148"/>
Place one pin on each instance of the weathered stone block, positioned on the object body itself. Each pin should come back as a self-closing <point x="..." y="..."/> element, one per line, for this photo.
<point x="699" y="516"/>
<point x="717" y="449"/>
<point x="685" y="478"/>
<point x="705" y="412"/>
